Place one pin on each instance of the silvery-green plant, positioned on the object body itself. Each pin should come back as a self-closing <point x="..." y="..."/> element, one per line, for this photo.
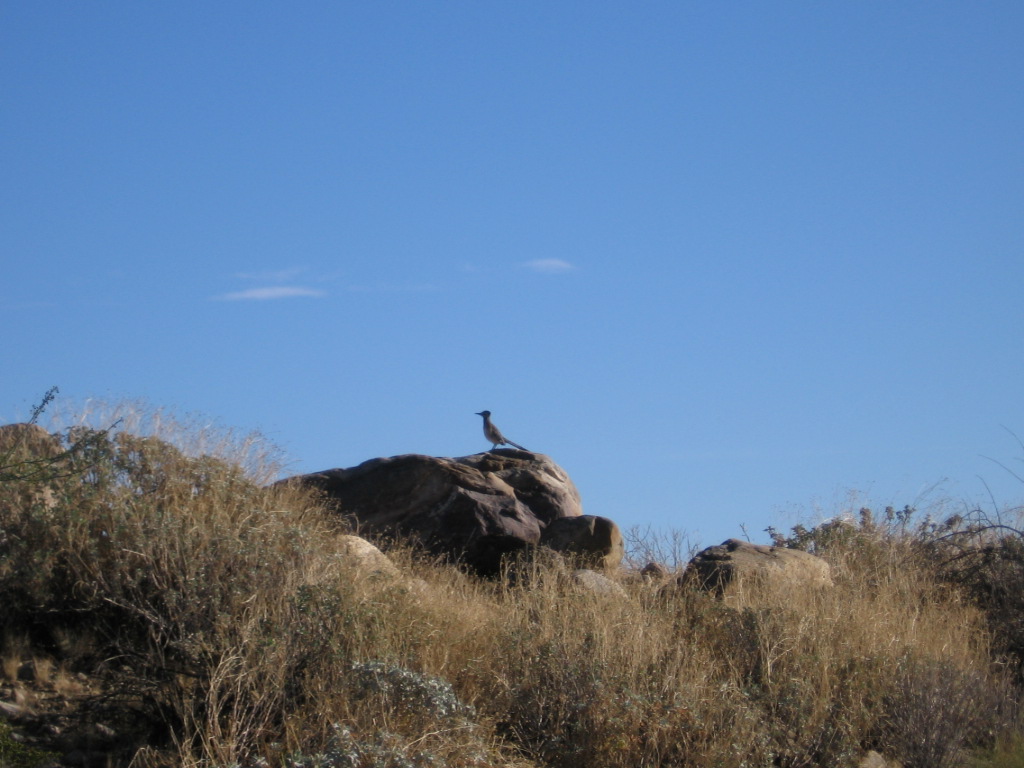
<point x="404" y="688"/>
<point x="344" y="750"/>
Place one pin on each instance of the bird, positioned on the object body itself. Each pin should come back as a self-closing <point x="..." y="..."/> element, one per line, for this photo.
<point x="493" y="434"/>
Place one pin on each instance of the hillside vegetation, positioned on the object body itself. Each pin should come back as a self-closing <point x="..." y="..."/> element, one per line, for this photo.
<point x="163" y="606"/>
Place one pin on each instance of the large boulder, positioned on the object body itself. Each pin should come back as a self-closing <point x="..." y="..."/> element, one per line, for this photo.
<point x="474" y="509"/>
<point x="735" y="561"/>
<point x="595" y="542"/>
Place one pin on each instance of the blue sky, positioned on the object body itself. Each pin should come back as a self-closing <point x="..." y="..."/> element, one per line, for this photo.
<point x="729" y="264"/>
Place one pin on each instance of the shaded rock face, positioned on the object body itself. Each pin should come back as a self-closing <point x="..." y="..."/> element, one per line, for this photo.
<point x="594" y="541"/>
<point x="734" y="560"/>
<point x="475" y="509"/>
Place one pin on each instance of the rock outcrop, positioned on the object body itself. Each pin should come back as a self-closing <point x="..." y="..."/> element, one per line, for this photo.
<point x="595" y="542"/>
<point x="475" y="509"/>
<point x="734" y="561"/>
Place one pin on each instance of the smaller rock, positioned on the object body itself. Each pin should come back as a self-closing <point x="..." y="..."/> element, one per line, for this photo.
<point x="376" y="570"/>
<point x="362" y="556"/>
<point x="734" y="561"/>
<point x="591" y="540"/>
<point x="654" y="572"/>
<point x="874" y="760"/>
<point x="597" y="583"/>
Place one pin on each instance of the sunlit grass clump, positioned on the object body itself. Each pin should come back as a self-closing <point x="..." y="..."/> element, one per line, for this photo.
<point x="160" y="558"/>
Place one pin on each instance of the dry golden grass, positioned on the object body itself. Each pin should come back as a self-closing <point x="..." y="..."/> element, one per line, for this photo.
<point x="11" y="664"/>
<point x="228" y="604"/>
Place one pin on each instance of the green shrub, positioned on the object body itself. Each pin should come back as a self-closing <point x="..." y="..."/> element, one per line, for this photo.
<point x="16" y="755"/>
<point x="1007" y="752"/>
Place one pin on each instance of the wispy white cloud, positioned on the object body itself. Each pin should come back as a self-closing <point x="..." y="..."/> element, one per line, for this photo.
<point x="549" y="266"/>
<point x="274" y="292"/>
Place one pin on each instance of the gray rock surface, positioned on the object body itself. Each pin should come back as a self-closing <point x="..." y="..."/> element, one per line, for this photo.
<point x="874" y="760"/>
<point x="597" y="584"/>
<point x="734" y="560"/>
<point x="366" y="560"/>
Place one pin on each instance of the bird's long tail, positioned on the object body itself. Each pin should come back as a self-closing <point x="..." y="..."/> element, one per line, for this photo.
<point x="517" y="445"/>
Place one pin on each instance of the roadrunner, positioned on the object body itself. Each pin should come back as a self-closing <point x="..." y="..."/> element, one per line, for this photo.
<point x="493" y="434"/>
